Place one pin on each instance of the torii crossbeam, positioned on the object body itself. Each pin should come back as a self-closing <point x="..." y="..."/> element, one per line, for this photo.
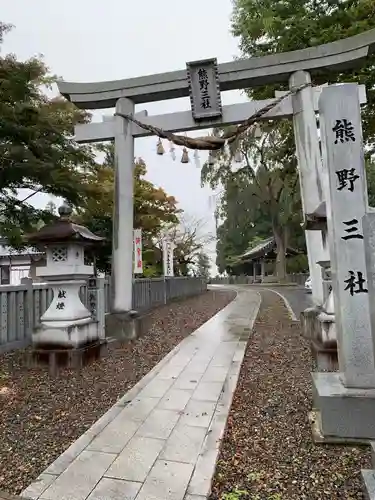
<point x="335" y="56"/>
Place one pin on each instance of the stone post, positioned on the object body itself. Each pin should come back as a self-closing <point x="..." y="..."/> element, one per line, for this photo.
<point x="310" y="169"/>
<point x="168" y="248"/>
<point x="344" y="159"/>
<point x="29" y="306"/>
<point x="122" y="251"/>
<point x="346" y="400"/>
<point x="96" y="302"/>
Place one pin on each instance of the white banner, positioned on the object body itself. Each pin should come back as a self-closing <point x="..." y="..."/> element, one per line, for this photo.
<point x="137" y="240"/>
<point x="168" y="248"/>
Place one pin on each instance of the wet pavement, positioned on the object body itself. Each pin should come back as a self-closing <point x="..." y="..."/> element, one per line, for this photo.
<point x="161" y="439"/>
<point x="297" y="297"/>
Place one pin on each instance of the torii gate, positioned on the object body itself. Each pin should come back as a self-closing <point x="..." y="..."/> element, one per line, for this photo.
<point x="124" y="94"/>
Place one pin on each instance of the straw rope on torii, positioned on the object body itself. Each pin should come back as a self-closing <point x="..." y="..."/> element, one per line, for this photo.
<point x="212" y="143"/>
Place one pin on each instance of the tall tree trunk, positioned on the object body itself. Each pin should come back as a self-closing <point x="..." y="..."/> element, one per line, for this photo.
<point x="280" y="267"/>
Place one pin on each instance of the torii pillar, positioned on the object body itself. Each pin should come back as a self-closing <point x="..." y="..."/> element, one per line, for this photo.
<point x="122" y="247"/>
<point x="310" y="173"/>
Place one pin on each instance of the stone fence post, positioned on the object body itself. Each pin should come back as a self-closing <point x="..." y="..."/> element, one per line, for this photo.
<point x="29" y="306"/>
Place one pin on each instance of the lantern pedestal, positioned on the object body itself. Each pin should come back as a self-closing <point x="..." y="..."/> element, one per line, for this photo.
<point x="68" y="337"/>
<point x="67" y="322"/>
<point x="66" y="308"/>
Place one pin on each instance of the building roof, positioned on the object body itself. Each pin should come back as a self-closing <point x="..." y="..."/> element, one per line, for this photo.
<point x="262" y="249"/>
<point x="6" y="250"/>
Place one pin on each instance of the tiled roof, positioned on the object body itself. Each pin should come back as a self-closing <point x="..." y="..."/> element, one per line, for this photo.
<point x="262" y="249"/>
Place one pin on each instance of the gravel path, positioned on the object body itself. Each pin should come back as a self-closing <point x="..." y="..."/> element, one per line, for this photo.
<point x="267" y="451"/>
<point x="41" y="416"/>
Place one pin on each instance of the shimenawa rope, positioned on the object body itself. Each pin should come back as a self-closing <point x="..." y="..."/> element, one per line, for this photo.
<point x="212" y="143"/>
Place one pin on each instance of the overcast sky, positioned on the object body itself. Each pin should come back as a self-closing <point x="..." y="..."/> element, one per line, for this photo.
<point x="93" y="40"/>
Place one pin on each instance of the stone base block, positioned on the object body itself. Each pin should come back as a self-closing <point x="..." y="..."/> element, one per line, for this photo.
<point x="127" y="326"/>
<point x="68" y="337"/>
<point x="325" y="357"/>
<point x="73" y="358"/>
<point x="319" y="438"/>
<point x="345" y="413"/>
<point x="368" y="477"/>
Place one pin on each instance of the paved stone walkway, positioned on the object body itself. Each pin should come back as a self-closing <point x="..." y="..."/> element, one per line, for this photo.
<point x="161" y="440"/>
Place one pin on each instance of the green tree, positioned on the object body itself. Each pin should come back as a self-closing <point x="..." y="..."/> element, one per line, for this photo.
<point x="4" y="28"/>
<point x="271" y="26"/>
<point x="153" y="210"/>
<point x="37" y="150"/>
<point x="269" y="187"/>
<point x="203" y="266"/>
<point x="370" y="174"/>
<point x="242" y="222"/>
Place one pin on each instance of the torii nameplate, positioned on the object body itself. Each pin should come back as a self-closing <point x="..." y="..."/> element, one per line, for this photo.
<point x="335" y="56"/>
<point x="205" y="98"/>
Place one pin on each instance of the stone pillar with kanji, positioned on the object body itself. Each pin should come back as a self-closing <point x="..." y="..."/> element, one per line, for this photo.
<point x="168" y="248"/>
<point x="346" y="399"/>
<point x="67" y="323"/>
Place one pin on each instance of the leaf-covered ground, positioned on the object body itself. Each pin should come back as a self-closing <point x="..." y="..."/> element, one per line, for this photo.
<point x="267" y="452"/>
<point x="41" y="416"/>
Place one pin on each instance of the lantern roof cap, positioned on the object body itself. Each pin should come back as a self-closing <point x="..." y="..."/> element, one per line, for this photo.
<point x="63" y="231"/>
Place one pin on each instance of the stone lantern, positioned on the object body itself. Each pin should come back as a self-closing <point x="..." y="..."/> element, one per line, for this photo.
<point x="67" y="323"/>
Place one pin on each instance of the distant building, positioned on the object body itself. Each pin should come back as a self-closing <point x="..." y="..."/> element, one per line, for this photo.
<point x="259" y="261"/>
<point x="18" y="264"/>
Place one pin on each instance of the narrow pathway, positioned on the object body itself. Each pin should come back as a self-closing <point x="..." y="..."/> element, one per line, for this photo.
<point x="296" y="297"/>
<point x="161" y="440"/>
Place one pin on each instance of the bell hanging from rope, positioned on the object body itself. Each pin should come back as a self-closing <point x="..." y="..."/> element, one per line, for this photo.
<point x="197" y="159"/>
<point x="160" y="148"/>
<point x="185" y="156"/>
<point x="238" y="156"/>
<point x="172" y="150"/>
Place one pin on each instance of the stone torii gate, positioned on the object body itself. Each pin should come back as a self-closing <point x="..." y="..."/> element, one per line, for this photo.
<point x="125" y="94"/>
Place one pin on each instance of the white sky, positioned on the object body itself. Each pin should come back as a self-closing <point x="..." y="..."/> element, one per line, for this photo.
<point x="93" y="40"/>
